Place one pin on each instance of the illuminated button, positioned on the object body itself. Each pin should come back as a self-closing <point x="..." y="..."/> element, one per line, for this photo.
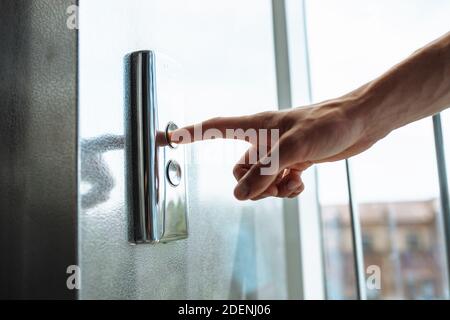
<point x="171" y="127"/>
<point x="173" y="173"/>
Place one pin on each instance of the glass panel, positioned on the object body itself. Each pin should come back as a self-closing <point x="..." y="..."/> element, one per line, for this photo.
<point x="235" y="249"/>
<point x="396" y="183"/>
<point x="337" y="234"/>
<point x="398" y="201"/>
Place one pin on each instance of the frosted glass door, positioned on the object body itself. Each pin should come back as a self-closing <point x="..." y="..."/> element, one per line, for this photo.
<point x="235" y="249"/>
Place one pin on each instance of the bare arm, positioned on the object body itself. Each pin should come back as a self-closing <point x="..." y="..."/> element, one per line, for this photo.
<point x="416" y="88"/>
<point x="339" y="128"/>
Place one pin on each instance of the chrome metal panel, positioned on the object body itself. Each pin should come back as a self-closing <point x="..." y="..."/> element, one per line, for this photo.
<point x="156" y="186"/>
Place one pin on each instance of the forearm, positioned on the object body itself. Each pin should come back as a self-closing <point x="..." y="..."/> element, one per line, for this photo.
<point x="416" y="88"/>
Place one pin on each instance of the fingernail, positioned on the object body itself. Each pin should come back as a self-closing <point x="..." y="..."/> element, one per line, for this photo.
<point x="292" y="185"/>
<point x="242" y="191"/>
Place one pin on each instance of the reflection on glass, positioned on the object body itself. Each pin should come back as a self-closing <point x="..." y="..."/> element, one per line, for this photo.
<point x="403" y="238"/>
<point x="175" y="224"/>
<point x="95" y="173"/>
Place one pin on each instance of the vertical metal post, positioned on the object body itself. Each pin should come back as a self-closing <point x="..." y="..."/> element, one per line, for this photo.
<point x="290" y="206"/>
<point x="443" y="187"/>
<point x="358" y="254"/>
<point x="303" y="243"/>
<point x="281" y="54"/>
<point x="316" y="172"/>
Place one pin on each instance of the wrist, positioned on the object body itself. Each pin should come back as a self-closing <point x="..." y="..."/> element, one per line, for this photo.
<point x="361" y="107"/>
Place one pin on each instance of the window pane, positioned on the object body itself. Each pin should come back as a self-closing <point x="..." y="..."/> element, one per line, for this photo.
<point x="396" y="183"/>
<point x="337" y="236"/>
<point x="398" y="200"/>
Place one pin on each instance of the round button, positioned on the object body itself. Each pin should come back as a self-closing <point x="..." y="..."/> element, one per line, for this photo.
<point x="171" y="127"/>
<point x="174" y="173"/>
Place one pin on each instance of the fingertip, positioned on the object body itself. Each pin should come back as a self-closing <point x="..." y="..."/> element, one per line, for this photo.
<point x="242" y="191"/>
<point x="297" y="192"/>
<point x="289" y="184"/>
<point x="292" y="185"/>
<point x="181" y="136"/>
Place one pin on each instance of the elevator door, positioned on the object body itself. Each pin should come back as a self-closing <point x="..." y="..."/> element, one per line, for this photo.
<point x="225" y="51"/>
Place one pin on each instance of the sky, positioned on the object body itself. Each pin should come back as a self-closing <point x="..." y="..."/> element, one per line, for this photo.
<point x="350" y="43"/>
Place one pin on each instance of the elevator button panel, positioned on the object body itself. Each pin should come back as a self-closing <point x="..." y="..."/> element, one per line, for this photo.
<point x="174" y="173"/>
<point x="158" y="175"/>
<point x="171" y="127"/>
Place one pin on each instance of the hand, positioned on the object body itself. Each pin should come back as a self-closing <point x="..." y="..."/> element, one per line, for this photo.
<point x="325" y="132"/>
<point x="336" y="129"/>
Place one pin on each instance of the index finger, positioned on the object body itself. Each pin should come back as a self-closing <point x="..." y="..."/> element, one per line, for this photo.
<point x="216" y="128"/>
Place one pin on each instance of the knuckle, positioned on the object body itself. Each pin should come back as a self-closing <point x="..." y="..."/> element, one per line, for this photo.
<point x="253" y="177"/>
<point x="237" y="171"/>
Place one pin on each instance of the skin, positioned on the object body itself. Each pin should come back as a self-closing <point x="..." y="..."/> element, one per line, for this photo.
<point x="339" y="128"/>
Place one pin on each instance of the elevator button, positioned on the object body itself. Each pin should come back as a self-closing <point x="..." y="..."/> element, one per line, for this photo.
<point x="171" y="127"/>
<point x="174" y="173"/>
